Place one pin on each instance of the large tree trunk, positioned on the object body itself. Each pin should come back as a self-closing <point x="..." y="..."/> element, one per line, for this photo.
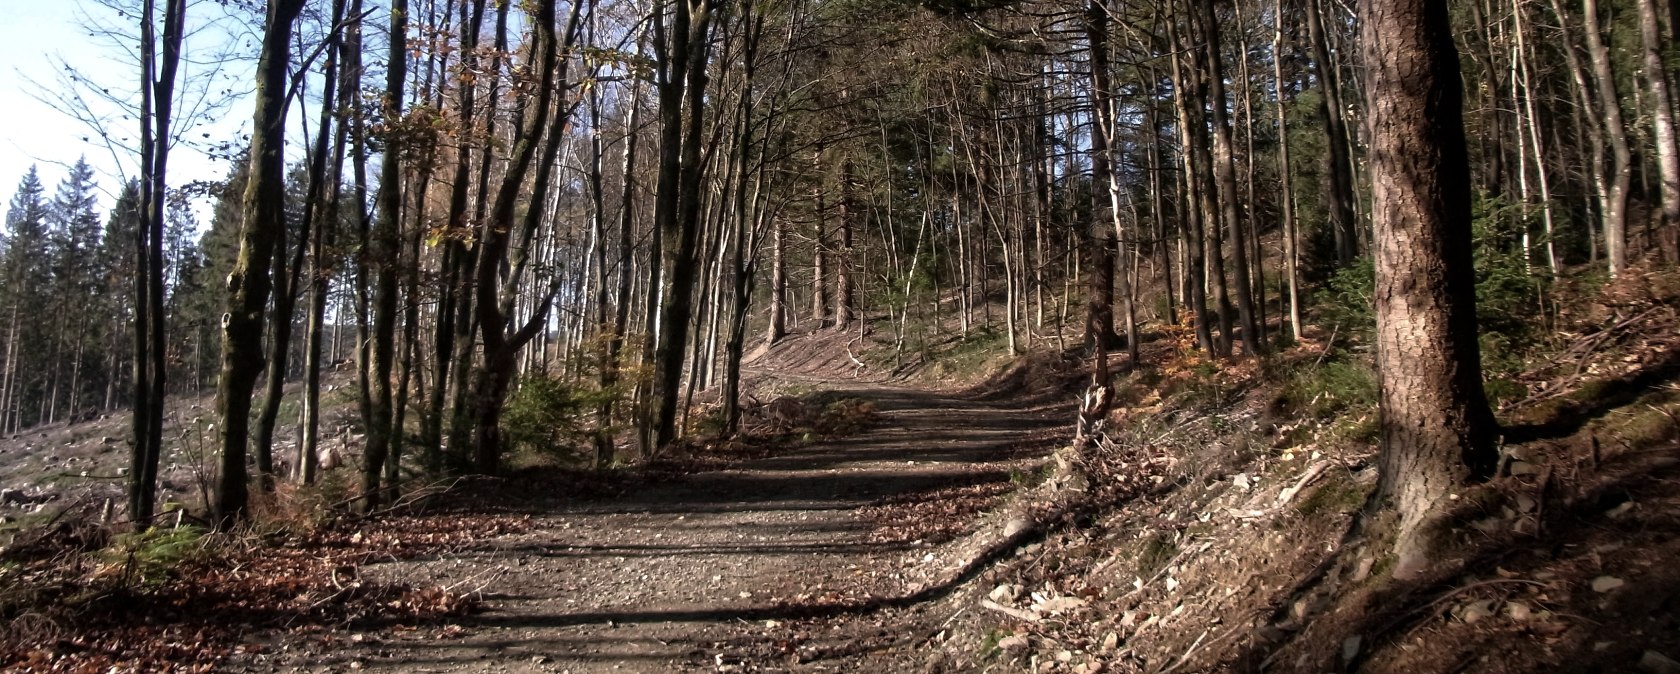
<point x="746" y="218"/>
<point x="844" y="291"/>
<point x="386" y="249"/>
<point x="677" y="203"/>
<point x="288" y="277"/>
<point x="1199" y="176"/>
<point x="454" y="299"/>
<point x="249" y="282"/>
<point x="1099" y="243"/>
<point x="778" y="283"/>
<point x="499" y="272"/>
<point x="1437" y="429"/>
<point x="325" y="240"/>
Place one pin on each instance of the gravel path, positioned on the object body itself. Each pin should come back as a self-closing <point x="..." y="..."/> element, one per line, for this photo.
<point x="764" y="567"/>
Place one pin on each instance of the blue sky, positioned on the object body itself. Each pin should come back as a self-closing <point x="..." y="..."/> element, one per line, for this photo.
<point x="34" y="34"/>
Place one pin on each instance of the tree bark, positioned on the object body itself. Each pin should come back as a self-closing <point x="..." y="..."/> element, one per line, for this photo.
<point x="1286" y="197"/>
<point x="386" y="249"/>
<point x="1099" y="241"/>
<point x="1662" y="132"/>
<point x="1437" y="429"/>
<point x="1343" y="220"/>
<point x="249" y="283"/>
<point x="1615" y="134"/>
<point x="1225" y="180"/>
<point x="150" y="365"/>
<point x="677" y="213"/>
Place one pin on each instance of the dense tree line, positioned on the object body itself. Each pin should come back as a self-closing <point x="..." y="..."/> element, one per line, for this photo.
<point x="625" y="196"/>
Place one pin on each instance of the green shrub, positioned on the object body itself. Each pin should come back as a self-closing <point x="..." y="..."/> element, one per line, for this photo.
<point x="1157" y="552"/>
<point x="1509" y="292"/>
<point x="546" y="416"/>
<point x="1346" y="300"/>
<point x="1330" y="389"/>
<point x="148" y="557"/>
<point x="1336" y="496"/>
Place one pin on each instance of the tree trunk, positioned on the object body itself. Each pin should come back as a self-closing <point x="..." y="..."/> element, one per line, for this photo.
<point x="677" y="211"/>
<point x="1286" y="196"/>
<point x="1099" y="243"/>
<point x="1343" y="220"/>
<point x="1615" y="133"/>
<point x="499" y="273"/>
<point x="1437" y="429"/>
<point x="1662" y="122"/>
<point x="1225" y="180"/>
<point x="1190" y="215"/>
<point x="778" y="283"/>
<point x="621" y="312"/>
<point x="386" y="254"/>
<point x="287" y="277"/>
<point x="248" y="284"/>
<point x="150" y="365"/>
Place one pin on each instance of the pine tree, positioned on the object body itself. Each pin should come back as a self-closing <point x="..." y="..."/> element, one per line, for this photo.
<point x="116" y="305"/>
<point x="27" y="281"/>
<point x="75" y="278"/>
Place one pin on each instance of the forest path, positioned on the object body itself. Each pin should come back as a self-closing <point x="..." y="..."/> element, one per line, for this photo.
<point x="752" y="568"/>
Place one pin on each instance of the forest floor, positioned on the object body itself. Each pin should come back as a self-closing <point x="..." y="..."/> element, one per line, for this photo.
<point x="1222" y="522"/>
<point x="788" y="558"/>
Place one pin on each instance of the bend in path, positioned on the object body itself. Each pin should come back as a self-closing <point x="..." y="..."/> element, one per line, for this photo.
<point x="733" y="570"/>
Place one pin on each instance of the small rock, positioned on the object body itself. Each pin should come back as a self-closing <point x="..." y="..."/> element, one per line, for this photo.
<point x="1619" y="511"/>
<point x="1005" y="592"/>
<point x="1524" y="468"/>
<point x="1606" y="583"/>
<point x="1060" y="605"/>
<point x="1657" y="663"/>
<point x="540" y="660"/>
<point x="1350" y="648"/>
<point x="1363" y="570"/>
<point x="1013" y="643"/>
<point x="1477" y="610"/>
<point x="1518" y="611"/>
<point x="1241" y="481"/>
<point x="1526" y="503"/>
<point x="1110" y="641"/>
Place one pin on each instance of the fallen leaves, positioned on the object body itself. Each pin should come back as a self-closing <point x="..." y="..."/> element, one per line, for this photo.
<point x="932" y="516"/>
<point x="205" y="608"/>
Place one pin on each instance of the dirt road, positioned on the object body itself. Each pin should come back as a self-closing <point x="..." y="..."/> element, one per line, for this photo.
<point x="769" y="566"/>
